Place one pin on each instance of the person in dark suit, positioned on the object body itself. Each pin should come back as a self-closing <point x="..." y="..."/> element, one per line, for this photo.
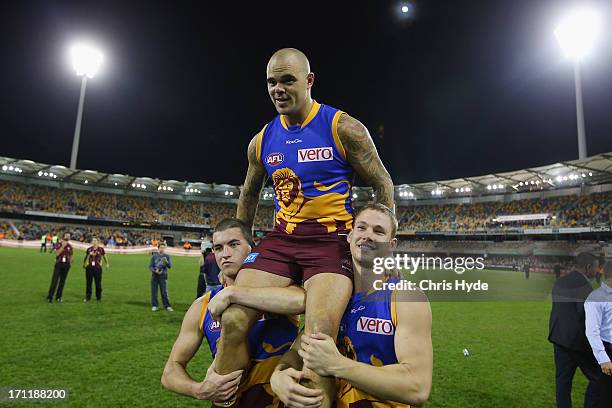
<point x="567" y="332"/>
<point x="202" y="275"/>
<point x="557" y="269"/>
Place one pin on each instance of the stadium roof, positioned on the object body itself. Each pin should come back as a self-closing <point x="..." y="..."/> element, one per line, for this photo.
<point x="591" y="171"/>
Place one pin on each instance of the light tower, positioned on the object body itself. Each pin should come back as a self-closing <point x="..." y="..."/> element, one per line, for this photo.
<point x="86" y="61"/>
<point x="577" y="35"/>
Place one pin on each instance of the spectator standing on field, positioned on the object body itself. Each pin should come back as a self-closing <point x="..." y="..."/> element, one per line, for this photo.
<point x="63" y="260"/>
<point x="211" y="272"/>
<point x="93" y="269"/>
<point x="43" y="243"/>
<point x="159" y="265"/>
<point x="567" y="332"/>
<point x="54" y="241"/>
<point x="598" y="310"/>
<point x="202" y="275"/>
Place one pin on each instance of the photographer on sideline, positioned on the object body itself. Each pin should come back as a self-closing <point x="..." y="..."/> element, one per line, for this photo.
<point x="159" y="265"/>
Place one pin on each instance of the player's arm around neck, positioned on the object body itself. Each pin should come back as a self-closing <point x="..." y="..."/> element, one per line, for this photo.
<point x="362" y="155"/>
<point x="407" y="382"/>
<point x="253" y="183"/>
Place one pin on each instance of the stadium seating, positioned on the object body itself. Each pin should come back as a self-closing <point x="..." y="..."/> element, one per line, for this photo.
<point x="18" y="198"/>
<point x="566" y="211"/>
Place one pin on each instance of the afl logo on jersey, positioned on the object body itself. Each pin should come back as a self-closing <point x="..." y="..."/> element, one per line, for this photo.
<point x="274" y="159"/>
<point x="215" y="326"/>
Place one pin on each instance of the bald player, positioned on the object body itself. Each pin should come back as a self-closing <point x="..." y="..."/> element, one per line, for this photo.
<point x="311" y="152"/>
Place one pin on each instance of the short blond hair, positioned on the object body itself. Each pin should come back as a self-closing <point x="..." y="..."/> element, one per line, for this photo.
<point x="383" y="209"/>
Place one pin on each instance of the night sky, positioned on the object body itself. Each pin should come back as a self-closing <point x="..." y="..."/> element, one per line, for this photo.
<point x="460" y="88"/>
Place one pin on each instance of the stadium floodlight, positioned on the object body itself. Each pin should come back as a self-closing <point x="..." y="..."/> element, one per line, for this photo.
<point x="86" y="62"/>
<point x="577" y="35"/>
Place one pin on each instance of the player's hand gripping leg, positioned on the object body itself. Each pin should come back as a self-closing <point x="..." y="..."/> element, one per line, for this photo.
<point x="327" y="295"/>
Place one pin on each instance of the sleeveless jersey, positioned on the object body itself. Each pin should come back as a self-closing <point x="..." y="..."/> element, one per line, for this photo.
<point x="269" y="339"/>
<point x="311" y="176"/>
<point x="367" y="335"/>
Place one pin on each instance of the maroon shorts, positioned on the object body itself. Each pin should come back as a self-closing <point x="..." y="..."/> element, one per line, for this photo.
<point x="301" y="257"/>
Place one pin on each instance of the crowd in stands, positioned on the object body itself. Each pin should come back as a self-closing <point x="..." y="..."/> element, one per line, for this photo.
<point x="565" y="211"/>
<point x="523" y="247"/>
<point x="545" y="264"/>
<point x="19" y="197"/>
<point x="108" y="236"/>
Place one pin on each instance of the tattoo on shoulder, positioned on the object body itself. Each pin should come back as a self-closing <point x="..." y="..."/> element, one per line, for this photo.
<point x="361" y="153"/>
<point x="252" y="149"/>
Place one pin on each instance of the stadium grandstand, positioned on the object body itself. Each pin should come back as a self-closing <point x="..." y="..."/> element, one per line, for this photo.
<point x="548" y="211"/>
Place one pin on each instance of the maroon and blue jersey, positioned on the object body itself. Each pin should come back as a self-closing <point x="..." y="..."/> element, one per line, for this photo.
<point x="272" y="335"/>
<point x="367" y="335"/>
<point x="367" y="329"/>
<point x="311" y="176"/>
<point x="269" y="339"/>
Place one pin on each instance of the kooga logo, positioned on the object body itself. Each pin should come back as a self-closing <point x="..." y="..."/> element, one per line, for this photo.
<point x="374" y="325"/>
<point x="315" y="154"/>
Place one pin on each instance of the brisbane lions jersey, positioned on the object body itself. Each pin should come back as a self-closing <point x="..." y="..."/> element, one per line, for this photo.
<point x="311" y="176"/>
<point x="269" y="339"/>
<point x="367" y="335"/>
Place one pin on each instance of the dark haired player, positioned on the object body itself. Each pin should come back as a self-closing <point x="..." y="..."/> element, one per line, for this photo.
<point x="269" y="339"/>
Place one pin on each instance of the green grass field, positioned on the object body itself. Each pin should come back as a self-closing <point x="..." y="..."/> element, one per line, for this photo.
<point x="112" y="354"/>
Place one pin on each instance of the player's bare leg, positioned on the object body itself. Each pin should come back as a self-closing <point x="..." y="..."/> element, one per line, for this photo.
<point x="237" y="321"/>
<point x="327" y="295"/>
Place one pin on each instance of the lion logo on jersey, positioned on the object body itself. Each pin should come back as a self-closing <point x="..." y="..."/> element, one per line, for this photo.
<point x="346" y="348"/>
<point x="296" y="207"/>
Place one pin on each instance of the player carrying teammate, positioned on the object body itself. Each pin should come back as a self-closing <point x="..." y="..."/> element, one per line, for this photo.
<point x="311" y="152"/>
<point x="270" y="337"/>
<point x="384" y="354"/>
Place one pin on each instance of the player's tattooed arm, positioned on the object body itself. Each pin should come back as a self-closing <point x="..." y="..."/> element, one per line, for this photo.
<point x="361" y="153"/>
<point x="253" y="183"/>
